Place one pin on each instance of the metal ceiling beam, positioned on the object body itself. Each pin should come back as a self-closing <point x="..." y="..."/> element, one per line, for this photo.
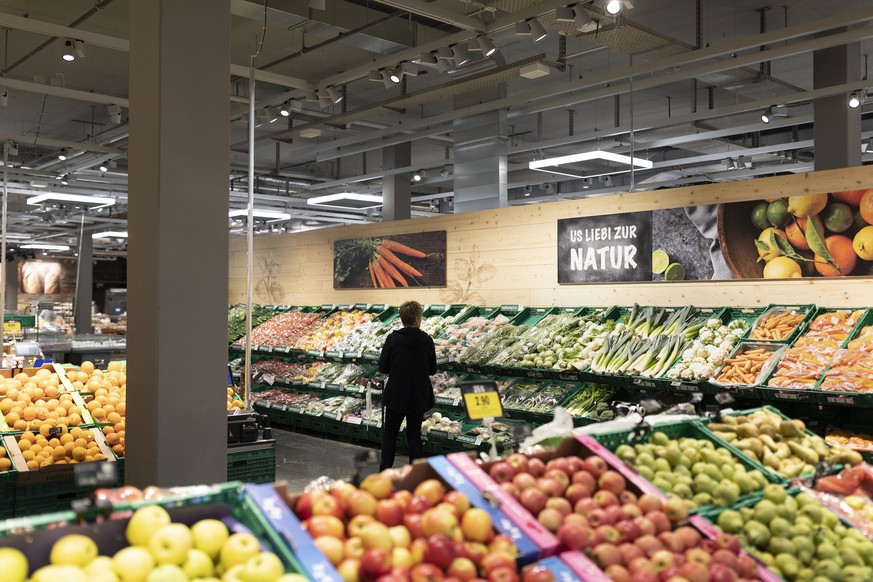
<point x="63" y="92"/>
<point x="49" y="29"/>
<point x="57" y="143"/>
<point x="437" y="12"/>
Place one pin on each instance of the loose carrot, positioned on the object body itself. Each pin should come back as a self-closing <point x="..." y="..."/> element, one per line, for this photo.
<point x="393" y="245"/>
<point x="389" y="256"/>
<point x="383" y="276"/>
<point x="373" y="276"/>
<point x="393" y="272"/>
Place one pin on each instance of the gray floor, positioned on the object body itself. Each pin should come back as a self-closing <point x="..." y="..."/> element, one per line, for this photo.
<point x="301" y="458"/>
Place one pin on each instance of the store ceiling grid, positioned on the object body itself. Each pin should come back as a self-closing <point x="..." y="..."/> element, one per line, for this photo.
<point x="583" y="104"/>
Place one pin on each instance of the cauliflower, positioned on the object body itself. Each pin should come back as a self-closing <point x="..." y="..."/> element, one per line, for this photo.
<point x="738" y="324"/>
<point x="717" y="356"/>
<point x="736" y="333"/>
<point x="713" y="323"/>
<point x="697" y="360"/>
<point x="701" y="352"/>
<point x="687" y="374"/>
<point x="723" y="330"/>
<point x="726" y="345"/>
<point x="688" y="354"/>
<point x="705" y="335"/>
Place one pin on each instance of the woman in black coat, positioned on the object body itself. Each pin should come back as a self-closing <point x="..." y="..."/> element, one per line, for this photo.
<point x="409" y="359"/>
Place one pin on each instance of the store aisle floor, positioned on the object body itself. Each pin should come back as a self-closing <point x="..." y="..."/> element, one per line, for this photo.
<point x="300" y="458"/>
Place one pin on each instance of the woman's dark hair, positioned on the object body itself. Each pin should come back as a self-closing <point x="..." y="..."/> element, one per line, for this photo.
<point x="410" y="312"/>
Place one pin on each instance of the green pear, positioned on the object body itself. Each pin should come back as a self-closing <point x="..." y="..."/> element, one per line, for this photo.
<point x="730" y="521"/>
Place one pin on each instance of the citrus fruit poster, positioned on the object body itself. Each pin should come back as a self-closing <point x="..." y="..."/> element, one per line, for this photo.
<point x="819" y="234"/>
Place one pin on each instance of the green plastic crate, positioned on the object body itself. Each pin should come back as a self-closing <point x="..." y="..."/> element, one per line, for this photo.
<point x="252" y="462"/>
<point x="807" y="309"/>
<point x="52" y="496"/>
<point x="843" y="398"/>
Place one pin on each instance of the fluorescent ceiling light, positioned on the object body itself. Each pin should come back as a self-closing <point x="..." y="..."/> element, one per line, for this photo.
<point x="259" y="213"/>
<point x="46" y="247"/>
<point x="99" y="200"/>
<point x="18" y="235"/>
<point x="110" y="234"/>
<point x="549" y="164"/>
<point x="351" y="196"/>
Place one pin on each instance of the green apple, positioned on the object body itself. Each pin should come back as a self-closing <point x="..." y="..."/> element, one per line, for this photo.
<point x="13" y="564"/>
<point x="198" y="564"/>
<point x="144" y="522"/>
<point x="233" y="573"/>
<point x="98" y="564"/>
<point x="167" y="573"/>
<point x="170" y="544"/>
<point x="73" y="550"/>
<point x="265" y="567"/>
<point x="133" y="564"/>
<point x="209" y="535"/>
<point x="55" y="573"/>
<point x="238" y="549"/>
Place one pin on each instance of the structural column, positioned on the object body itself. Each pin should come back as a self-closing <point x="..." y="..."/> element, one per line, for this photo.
<point x="11" y="282"/>
<point x="480" y="165"/>
<point x="837" y="126"/>
<point x="178" y="242"/>
<point x="84" y="284"/>
<point x="396" y="189"/>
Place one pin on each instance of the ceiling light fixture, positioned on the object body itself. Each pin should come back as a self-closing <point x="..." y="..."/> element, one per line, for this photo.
<point x="774" y="111"/>
<point x="855" y="99"/>
<point x="103" y="168"/>
<point x="522" y="28"/>
<point x="550" y="164"/>
<point x="96" y="200"/>
<point x="110" y="234"/>
<point x="444" y="172"/>
<point x="324" y="101"/>
<point x="460" y="54"/>
<point x="412" y="69"/>
<point x="564" y="14"/>
<point x="64" y="154"/>
<point x="334" y="95"/>
<point x="4" y="97"/>
<point x="350" y="196"/>
<point x="386" y="79"/>
<point x="46" y="247"/>
<point x="80" y="48"/>
<point x="284" y="110"/>
<point x="418" y="176"/>
<point x="395" y="75"/>
<point x="69" y="54"/>
<point x="537" y="32"/>
<point x="486" y="46"/>
<point x="259" y="213"/>
<point x="444" y="66"/>
<point x="613" y="6"/>
<point x="583" y="21"/>
<point x="426" y="59"/>
<point x="114" y="112"/>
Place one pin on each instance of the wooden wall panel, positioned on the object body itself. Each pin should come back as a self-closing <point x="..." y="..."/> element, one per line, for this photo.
<point x="520" y="244"/>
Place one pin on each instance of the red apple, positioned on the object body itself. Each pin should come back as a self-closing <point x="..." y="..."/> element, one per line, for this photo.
<point x="403" y="496"/>
<point x="725" y="557"/>
<point x="661" y="521"/>
<point x="533" y="499"/>
<point x="585" y="479"/>
<point x="747" y="567"/>
<point x="510" y="488"/>
<point x="672" y="575"/>
<point x="501" y="471"/>
<point x="463" y="569"/>
<point x="595" y="465"/>
<point x="426" y="573"/>
<point x="632" y="510"/>
<point x="612" y="481"/>
<point x="585" y="506"/>
<point x="609" y="534"/>
<point x="432" y="490"/>
<point x="446" y="506"/>
<point x="618" y="573"/>
<point x="550" y="519"/>
<point x="357" y="523"/>
<point x="389" y="512"/>
<point x="550" y="487"/>
<point x="575" y="518"/>
<point x="353" y="548"/>
<point x="598" y="517"/>
<point x="646" y="576"/>
<point x="676" y="509"/>
<point x="402" y="574"/>
<point x="536" y="467"/>
<point x="325" y="525"/>
<point x="698" y="555"/>
<point x="340" y="491"/>
<point x="537" y="573"/>
<point x="605" y="554"/>
<point x="412" y="521"/>
<point x="496" y="560"/>
<point x="393" y="576"/>
<point x="418" y="504"/>
<point x="646" y="525"/>
<point x="627" y="496"/>
<point x="418" y="548"/>
<point x="721" y="573"/>
<point x="327" y="505"/>
<point x="377" y="485"/>
<point x="575" y="492"/>
<point x="303" y="507"/>
<point x="561" y="504"/>
<point x="451" y="579"/>
<point x="649" y="502"/>
<point x="459" y="500"/>
<point x="727" y="542"/>
<point x="690" y="537"/>
<point x="671" y="542"/>
<point x="360" y="503"/>
<point x="518" y="462"/>
<point x="649" y="544"/>
<point x="559" y="476"/>
<point x="615" y="514"/>
<point x="630" y="552"/>
<point x="605" y="498"/>
<point x="439" y="521"/>
<point x="504" y="544"/>
<point x="505" y="574"/>
<point x="638" y="565"/>
<point x="575" y="537"/>
<point x="576" y="464"/>
<point x="375" y="563"/>
<point x="440" y="551"/>
<point x="663" y="560"/>
<point x="524" y="481"/>
<point x="629" y="530"/>
<point x="476" y="551"/>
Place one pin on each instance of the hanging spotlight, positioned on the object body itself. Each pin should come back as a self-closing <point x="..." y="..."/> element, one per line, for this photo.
<point x="765" y="117"/>
<point x="395" y="75"/>
<point x="444" y="66"/>
<point x="334" y="95"/>
<point x="284" y="110"/>
<point x="522" y="28"/>
<point x="486" y="46"/>
<point x="537" y="32"/>
<point x="582" y="19"/>
<point x="114" y="112"/>
<point x="564" y="14"/>
<point x="386" y="79"/>
<point x="69" y="53"/>
<point x="64" y="180"/>
<point x="444" y="53"/>
<point x="855" y="100"/>
<point x="426" y="59"/>
<point x="774" y="111"/>
<point x="460" y="54"/>
<point x="375" y="75"/>
<point x="64" y="154"/>
<point x="411" y="69"/>
<point x="444" y="172"/>
<point x="103" y="167"/>
<point x="613" y="6"/>
<point x="323" y="100"/>
<point x="418" y="176"/>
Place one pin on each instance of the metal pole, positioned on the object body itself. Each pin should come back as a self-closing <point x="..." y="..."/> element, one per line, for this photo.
<point x="250" y="239"/>
<point x="3" y="248"/>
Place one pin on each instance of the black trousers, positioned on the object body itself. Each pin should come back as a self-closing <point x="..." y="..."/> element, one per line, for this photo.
<point x="390" y="429"/>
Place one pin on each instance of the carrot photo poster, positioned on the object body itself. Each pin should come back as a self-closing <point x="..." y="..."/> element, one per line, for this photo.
<point x="396" y="261"/>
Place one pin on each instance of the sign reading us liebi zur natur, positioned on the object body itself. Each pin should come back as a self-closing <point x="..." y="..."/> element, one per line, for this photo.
<point x="605" y="248"/>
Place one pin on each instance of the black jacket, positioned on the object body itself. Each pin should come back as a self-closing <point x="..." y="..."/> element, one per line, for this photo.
<point x="409" y="359"/>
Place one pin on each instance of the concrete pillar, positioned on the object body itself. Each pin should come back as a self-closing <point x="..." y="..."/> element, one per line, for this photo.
<point x="11" y="283"/>
<point x="396" y="189"/>
<point x="178" y="243"/>
<point x="837" y="126"/>
<point x="84" y="284"/>
<point x="480" y="165"/>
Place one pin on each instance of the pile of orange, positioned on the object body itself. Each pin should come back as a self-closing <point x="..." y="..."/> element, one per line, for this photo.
<point x="46" y="447"/>
<point x="29" y="402"/>
<point x="233" y="404"/>
<point x="5" y="463"/>
<point x="106" y="401"/>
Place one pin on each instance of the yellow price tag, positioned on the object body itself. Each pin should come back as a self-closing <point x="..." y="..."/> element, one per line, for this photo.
<point x="11" y="326"/>
<point x="483" y="405"/>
